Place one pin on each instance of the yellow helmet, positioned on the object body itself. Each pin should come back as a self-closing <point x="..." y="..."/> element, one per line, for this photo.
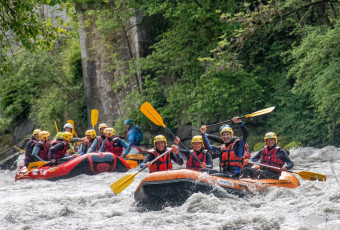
<point x="197" y="139"/>
<point x="91" y="132"/>
<point x="67" y="136"/>
<point x="159" y="138"/>
<point x="227" y="128"/>
<point x="103" y="125"/>
<point x="109" y="132"/>
<point x="269" y="136"/>
<point x="44" y="135"/>
<point x="36" y="131"/>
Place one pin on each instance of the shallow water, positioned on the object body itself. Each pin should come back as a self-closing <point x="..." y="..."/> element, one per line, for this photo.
<point x="87" y="202"/>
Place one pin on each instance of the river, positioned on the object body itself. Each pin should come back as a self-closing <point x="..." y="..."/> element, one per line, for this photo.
<point x="87" y="202"/>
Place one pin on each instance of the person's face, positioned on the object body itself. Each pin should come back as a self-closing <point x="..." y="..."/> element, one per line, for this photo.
<point x="88" y="137"/>
<point x="226" y="137"/>
<point x="270" y="142"/>
<point x="67" y="129"/>
<point x="101" y="130"/>
<point x="127" y="126"/>
<point x="36" y="137"/>
<point x="197" y="146"/>
<point x="160" y="145"/>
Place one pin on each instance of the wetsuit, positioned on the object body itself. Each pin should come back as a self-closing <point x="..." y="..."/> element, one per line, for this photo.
<point x="238" y="149"/>
<point x="265" y="172"/>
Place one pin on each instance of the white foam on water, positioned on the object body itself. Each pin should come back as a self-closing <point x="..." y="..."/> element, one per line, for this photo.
<point x="87" y="202"/>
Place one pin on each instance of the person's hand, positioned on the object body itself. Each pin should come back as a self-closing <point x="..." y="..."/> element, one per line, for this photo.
<point x="148" y="164"/>
<point x="203" y="129"/>
<point x="175" y="149"/>
<point x="246" y="161"/>
<point x="177" y="140"/>
<point x="53" y="161"/>
<point x="75" y="155"/>
<point x="236" y="120"/>
<point x="283" y="169"/>
<point x="203" y="165"/>
<point x="124" y="157"/>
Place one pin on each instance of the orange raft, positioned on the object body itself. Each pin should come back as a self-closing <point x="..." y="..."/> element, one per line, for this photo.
<point x="175" y="187"/>
<point x="91" y="163"/>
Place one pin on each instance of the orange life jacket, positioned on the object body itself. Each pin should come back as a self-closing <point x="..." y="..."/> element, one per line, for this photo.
<point x="162" y="164"/>
<point x="193" y="164"/>
<point x="229" y="157"/>
<point x="268" y="157"/>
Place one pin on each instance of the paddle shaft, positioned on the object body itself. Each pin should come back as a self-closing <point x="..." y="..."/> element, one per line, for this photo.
<point x="268" y="166"/>
<point x="222" y="122"/>
<point x="174" y="136"/>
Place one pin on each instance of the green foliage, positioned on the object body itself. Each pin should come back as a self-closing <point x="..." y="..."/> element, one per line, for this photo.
<point x="258" y="146"/>
<point x="293" y="144"/>
<point x="45" y="87"/>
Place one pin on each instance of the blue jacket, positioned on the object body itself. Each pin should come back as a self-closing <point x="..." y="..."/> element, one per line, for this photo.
<point x="135" y="137"/>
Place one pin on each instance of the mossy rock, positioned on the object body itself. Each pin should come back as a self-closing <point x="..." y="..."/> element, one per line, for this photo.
<point x="293" y="144"/>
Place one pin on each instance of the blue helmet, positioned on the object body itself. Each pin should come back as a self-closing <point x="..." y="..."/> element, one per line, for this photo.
<point x="227" y="128"/>
<point x="128" y="122"/>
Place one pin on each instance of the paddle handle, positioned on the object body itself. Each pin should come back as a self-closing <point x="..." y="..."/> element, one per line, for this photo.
<point x="222" y="122"/>
<point x="268" y="166"/>
<point x="174" y="136"/>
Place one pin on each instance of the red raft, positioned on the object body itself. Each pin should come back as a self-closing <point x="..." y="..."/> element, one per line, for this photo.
<point x="90" y="164"/>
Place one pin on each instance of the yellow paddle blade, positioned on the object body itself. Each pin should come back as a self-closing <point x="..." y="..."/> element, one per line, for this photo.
<point x="37" y="164"/>
<point x="94" y="117"/>
<point x="133" y="164"/>
<point x="73" y="130"/>
<point x="56" y="126"/>
<point x="311" y="176"/>
<point x="121" y="184"/>
<point x="152" y="114"/>
<point x="19" y="149"/>
<point x="260" y="112"/>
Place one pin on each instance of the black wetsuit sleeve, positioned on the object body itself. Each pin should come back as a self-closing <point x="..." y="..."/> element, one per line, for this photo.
<point x="186" y="153"/>
<point x="57" y="147"/>
<point x="215" y="138"/>
<point x="282" y="155"/>
<point x="176" y="158"/>
<point x="148" y="158"/>
<point x="209" y="159"/>
<point x="244" y="131"/>
<point x="256" y="157"/>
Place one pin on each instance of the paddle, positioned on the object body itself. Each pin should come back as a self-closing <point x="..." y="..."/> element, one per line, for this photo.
<point x="19" y="149"/>
<point x="133" y="164"/>
<point x="304" y="174"/>
<point x="73" y="130"/>
<point x="154" y="116"/>
<point x="254" y="114"/>
<point x="94" y="117"/>
<point x="121" y="184"/>
<point x="37" y="164"/>
<point x="56" y="126"/>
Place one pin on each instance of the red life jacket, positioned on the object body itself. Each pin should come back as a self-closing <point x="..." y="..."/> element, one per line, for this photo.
<point x="162" y="164"/>
<point x="60" y="153"/>
<point x="113" y="146"/>
<point x="43" y="153"/>
<point x="229" y="157"/>
<point x="268" y="157"/>
<point x="100" y="141"/>
<point x="87" y="144"/>
<point x="193" y="164"/>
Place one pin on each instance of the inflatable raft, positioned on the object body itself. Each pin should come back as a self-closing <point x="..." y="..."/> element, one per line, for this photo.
<point x="165" y="188"/>
<point x="91" y="163"/>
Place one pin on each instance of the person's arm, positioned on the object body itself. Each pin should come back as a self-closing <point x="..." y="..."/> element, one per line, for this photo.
<point x="102" y="149"/>
<point x="148" y="158"/>
<point x="177" y="157"/>
<point x="209" y="161"/>
<point x="215" y="138"/>
<point x="81" y="149"/>
<point x="35" y="152"/>
<point x="282" y="155"/>
<point x="212" y="148"/>
<point x="93" y="146"/>
<point x="185" y="153"/>
<point x="243" y="131"/>
<point x="256" y="157"/>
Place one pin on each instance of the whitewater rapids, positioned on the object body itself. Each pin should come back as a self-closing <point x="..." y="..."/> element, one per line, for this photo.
<point x="87" y="202"/>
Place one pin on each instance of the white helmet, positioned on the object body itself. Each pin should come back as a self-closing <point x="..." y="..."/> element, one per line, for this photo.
<point x="68" y="125"/>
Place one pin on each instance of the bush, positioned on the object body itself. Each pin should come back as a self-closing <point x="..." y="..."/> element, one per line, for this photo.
<point x="293" y="144"/>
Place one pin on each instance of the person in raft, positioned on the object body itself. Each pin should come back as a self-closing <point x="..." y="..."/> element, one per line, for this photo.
<point x="134" y="136"/>
<point x="30" y="145"/>
<point x="164" y="163"/>
<point x="90" y="136"/>
<point x="113" y="143"/>
<point x="42" y="147"/>
<point x="98" y="141"/>
<point x="271" y="155"/>
<point x="231" y="153"/>
<point x="198" y="151"/>
<point x="60" y="146"/>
